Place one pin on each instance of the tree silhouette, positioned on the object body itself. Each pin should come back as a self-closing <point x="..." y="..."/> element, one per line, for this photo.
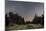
<point x="42" y="19"/>
<point x="35" y="19"/>
<point x="14" y="18"/>
<point x="28" y="22"/>
<point x="38" y="19"/>
<point x="19" y="20"/>
<point x="6" y="20"/>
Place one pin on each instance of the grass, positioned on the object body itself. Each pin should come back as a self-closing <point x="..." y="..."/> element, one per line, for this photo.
<point x="22" y="27"/>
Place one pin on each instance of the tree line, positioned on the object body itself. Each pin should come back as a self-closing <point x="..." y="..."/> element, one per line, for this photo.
<point x="16" y="19"/>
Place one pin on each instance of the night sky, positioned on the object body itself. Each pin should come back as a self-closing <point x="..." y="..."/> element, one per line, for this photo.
<point x="25" y="9"/>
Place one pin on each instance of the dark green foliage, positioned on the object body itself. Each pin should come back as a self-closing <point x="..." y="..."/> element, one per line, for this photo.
<point x="43" y="19"/>
<point x="14" y="18"/>
<point x="6" y="20"/>
<point x="28" y="22"/>
<point x="38" y="20"/>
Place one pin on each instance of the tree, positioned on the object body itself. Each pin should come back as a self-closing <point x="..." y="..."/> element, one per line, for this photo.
<point x="6" y="20"/>
<point x="35" y="20"/>
<point x="28" y="22"/>
<point x="42" y="19"/>
<point x="38" y="20"/>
